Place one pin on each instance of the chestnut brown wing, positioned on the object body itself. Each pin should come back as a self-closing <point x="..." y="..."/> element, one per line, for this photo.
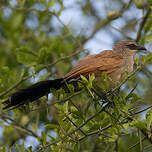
<point x="105" y="61"/>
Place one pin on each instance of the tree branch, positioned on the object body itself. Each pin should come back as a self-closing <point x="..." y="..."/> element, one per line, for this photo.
<point x="142" y="24"/>
<point x="75" y="130"/>
<point x="18" y="126"/>
<point x="102" y="23"/>
<point x="15" y="85"/>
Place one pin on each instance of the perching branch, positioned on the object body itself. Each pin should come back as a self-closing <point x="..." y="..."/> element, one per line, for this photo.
<point x="75" y="130"/>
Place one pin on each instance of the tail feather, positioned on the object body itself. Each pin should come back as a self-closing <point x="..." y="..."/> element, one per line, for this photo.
<point x="32" y="93"/>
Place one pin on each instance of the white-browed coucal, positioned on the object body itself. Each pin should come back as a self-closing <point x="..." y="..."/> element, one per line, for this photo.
<point x="114" y="62"/>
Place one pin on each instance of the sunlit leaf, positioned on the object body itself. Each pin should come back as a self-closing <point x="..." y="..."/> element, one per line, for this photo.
<point x="149" y="119"/>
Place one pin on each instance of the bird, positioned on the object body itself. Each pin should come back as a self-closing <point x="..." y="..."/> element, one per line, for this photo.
<point x="114" y="62"/>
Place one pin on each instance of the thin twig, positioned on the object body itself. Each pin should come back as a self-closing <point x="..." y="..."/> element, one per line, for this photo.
<point x="121" y="31"/>
<point x="75" y="130"/>
<point x="136" y="144"/>
<point x="142" y="110"/>
<point x="116" y="144"/>
<point x="14" y="86"/>
<point x="103" y="129"/>
<point x="64" y="58"/>
<point x="104" y="22"/>
<point x="61" y="101"/>
<point x="48" y="12"/>
<point x="140" y="141"/>
<point x="76" y="126"/>
<point x="27" y="77"/>
<point x="147" y="147"/>
<point x="142" y="24"/>
<point x="125" y="80"/>
<point x="18" y="126"/>
<point x="96" y="132"/>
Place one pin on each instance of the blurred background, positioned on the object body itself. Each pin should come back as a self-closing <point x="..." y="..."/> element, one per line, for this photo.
<point x="44" y="39"/>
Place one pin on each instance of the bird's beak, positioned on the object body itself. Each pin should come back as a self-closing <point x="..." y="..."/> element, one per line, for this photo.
<point x="140" y="48"/>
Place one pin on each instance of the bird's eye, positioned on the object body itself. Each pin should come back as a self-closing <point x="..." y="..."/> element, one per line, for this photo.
<point x="131" y="46"/>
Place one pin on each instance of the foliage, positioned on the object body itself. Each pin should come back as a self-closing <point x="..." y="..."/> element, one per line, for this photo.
<point x="36" y="44"/>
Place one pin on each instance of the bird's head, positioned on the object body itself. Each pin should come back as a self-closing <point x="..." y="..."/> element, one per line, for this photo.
<point x="127" y="48"/>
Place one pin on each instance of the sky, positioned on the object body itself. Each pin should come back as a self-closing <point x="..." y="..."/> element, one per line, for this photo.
<point x="102" y="40"/>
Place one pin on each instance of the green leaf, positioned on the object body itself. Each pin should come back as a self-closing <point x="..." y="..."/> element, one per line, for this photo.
<point x="150" y="2"/>
<point x="149" y="119"/>
<point x="23" y="146"/>
<point x="143" y="60"/>
<point x="104" y="80"/>
<point x="148" y="26"/>
<point x="139" y="124"/>
<point x="43" y="137"/>
<point x="39" y="67"/>
<point x="29" y="149"/>
<point x="59" y="107"/>
<point x="39" y="139"/>
<point x="126" y="108"/>
<point x="113" y="139"/>
<point x="32" y="69"/>
<point x="18" y="148"/>
<point x="26" y="56"/>
<point x="70" y="87"/>
<point x="87" y="107"/>
<point x="126" y="126"/>
<point x="84" y="79"/>
<point x="134" y="97"/>
<point x="51" y="137"/>
<point x="76" y="147"/>
<point x="148" y="58"/>
<point x="3" y="149"/>
<point x="113" y="14"/>
<point x="65" y="107"/>
<point x="92" y="77"/>
<point x="137" y="60"/>
<point x="23" y="71"/>
<point x="51" y="126"/>
<point x="10" y="150"/>
<point x="148" y="38"/>
<point x="17" y="20"/>
<point x="139" y="3"/>
<point x="51" y="3"/>
<point x="34" y="127"/>
<point x="26" y="51"/>
<point x="25" y="59"/>
<point x="42" y="56"/>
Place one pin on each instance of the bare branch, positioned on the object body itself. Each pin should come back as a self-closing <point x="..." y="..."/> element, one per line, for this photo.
<point x="76" y="126"/>
<point x="142" y="24"/>
<point x="102" y="23"/>
<point x="18" y="126"/>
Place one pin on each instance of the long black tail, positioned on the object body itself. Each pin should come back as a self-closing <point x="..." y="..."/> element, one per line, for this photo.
<point x="32" y="93"/>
